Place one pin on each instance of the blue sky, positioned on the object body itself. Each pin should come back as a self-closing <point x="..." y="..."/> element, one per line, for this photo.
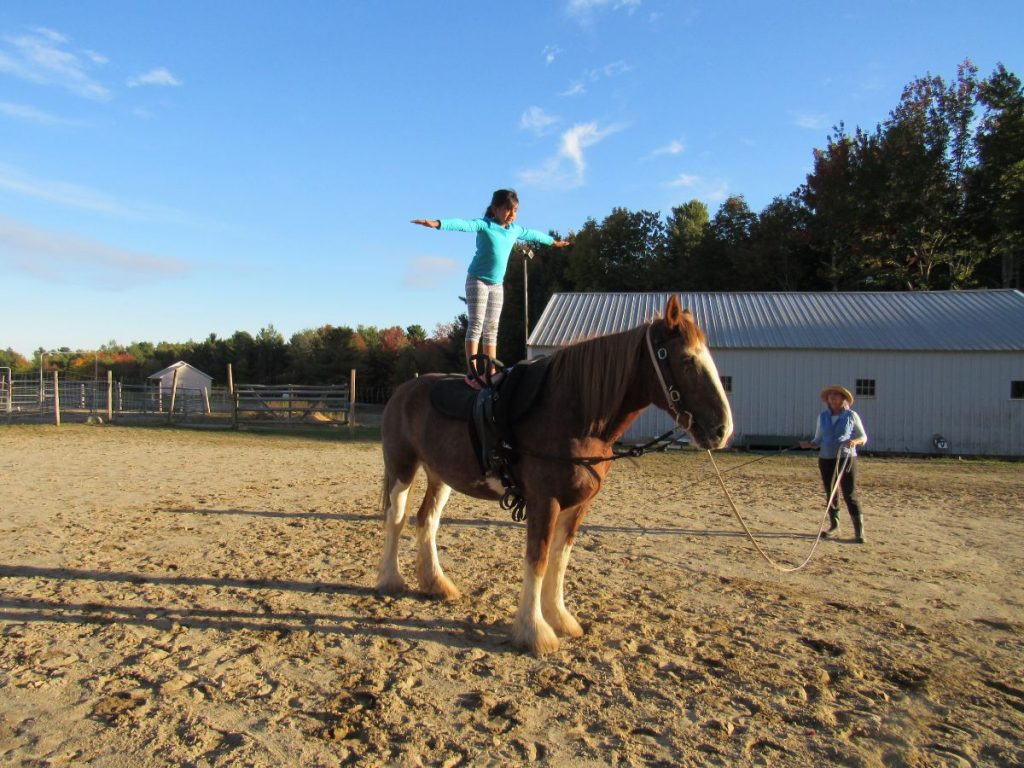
<point x="171" y="170"/>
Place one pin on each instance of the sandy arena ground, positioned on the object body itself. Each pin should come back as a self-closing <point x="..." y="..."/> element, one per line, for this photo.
<point x="188" y="598"/>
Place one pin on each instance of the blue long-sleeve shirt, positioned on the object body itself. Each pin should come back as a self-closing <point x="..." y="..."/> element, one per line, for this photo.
<point x="493" y="244"/>
<point x="833" y="431"/>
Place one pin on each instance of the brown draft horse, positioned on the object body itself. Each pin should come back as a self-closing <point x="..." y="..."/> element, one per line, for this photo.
<point x="594" y="391"/>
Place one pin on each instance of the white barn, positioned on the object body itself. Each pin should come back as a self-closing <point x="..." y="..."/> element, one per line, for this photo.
<point x="932" y="372"/>
<point x="189" y="377"/>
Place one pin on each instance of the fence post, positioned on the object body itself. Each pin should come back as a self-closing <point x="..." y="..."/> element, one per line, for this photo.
<point x="110" y="396"/>
<point x="234" y="406"/>
<point x="7" y="387"/>
<point x="206" y="400"/>
<point x="174" y="394"/>
<point x="352" y="397"/>
<point x="56" y="400"/>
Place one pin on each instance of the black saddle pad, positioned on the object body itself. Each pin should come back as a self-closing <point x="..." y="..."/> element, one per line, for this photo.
<point x="452" y="397"/>
<point x="518" y="389"/>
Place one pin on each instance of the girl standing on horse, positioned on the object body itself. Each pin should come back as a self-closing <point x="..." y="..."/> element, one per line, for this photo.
<point x="496" y="233"/>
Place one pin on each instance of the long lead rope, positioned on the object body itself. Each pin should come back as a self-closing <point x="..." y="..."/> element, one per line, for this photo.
<point x="773" y="455"/>
<point x="821" y="527"/>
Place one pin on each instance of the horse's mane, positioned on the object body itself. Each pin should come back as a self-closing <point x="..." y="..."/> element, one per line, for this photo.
<point x="599" y="370"/>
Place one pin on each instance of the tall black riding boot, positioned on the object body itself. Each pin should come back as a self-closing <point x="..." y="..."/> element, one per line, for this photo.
<point x="858" y="529"/>
<point x="833" y="524"/>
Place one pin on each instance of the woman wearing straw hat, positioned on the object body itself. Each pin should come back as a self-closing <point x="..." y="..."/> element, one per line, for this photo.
<point x="837" y="434"/>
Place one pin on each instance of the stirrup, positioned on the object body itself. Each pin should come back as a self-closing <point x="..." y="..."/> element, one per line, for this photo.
<point x="492" y="371"/>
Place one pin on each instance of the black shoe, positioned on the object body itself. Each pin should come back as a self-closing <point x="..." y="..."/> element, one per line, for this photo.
<point x="859" y="538"/>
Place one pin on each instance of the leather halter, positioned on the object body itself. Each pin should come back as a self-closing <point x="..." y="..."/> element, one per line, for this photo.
<point x="672" y="394"/>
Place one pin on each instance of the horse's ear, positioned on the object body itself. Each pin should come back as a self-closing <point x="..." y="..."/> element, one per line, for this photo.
<point x="674" y="312"/>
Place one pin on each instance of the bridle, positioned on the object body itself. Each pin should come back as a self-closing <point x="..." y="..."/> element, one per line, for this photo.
<point x="513" y="499"/>
<point x="668" y="388"/>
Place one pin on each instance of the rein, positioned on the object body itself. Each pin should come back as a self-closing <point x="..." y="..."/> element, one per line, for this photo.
<point x="512" y="500"/>
<point x="657" y="445"/>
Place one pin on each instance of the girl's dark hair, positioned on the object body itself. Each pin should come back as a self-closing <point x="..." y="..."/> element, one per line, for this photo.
<point x="502" y="198"/>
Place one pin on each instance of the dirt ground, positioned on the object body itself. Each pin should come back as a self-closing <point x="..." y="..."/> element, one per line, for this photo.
<point x="177" y="597"/>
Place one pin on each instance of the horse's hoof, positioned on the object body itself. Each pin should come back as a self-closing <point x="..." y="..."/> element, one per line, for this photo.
<point x="443" y="589"/>
<point x="545" y="645"/>
<point x="565" y="625"/>
<point x="391" y="586"/>
<point x="540" y="641"/>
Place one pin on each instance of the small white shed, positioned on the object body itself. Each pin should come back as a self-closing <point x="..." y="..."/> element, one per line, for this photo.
<point x="933" y="372"/>
<point x="189" y="377"/>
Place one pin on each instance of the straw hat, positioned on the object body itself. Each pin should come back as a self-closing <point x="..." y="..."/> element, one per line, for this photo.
<point x="842" y="391"/>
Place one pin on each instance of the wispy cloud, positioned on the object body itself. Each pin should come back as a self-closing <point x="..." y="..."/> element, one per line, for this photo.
<point x="159" y="76"/>
<point x="81" y="197"/>
<point x="31" y="114"/>
<point x="583" y="11"/>
<point x="674" y="147"/>
<point x="612" y="69"/>
<point x="550" y="53"/>
<point x="684" y="180"/>
<point x="709" y="190"/>
<point x="537" y="120"/>
<point x="811" y="121"/>
<point x="69" y="259"/>
<point x="568" y="167"/>
<point x="425" y="273"/>
<point x="44" y="57"/>
<point x="61" y="192"/>
<point x="716" y="192"/>
<point x="578" y="138"/>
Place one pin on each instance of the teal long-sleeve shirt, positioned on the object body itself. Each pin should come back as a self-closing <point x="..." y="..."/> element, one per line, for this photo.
<point x="493" y="244"/>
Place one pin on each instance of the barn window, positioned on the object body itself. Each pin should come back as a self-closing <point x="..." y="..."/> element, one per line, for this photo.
<point x="865" y="388"/>
<point x="727" y="383"/>
<point x="1017" y="390"/>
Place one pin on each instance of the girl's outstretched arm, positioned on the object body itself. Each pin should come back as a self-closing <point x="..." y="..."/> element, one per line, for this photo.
<point x="432" y="223"/>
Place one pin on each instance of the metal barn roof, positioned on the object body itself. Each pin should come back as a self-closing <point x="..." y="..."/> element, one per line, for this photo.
<point x="983" y="320"/>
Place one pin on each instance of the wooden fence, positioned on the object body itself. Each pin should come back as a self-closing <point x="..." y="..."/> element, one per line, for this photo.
<point x="290" y="405"/>
<point x="51" y="398"/>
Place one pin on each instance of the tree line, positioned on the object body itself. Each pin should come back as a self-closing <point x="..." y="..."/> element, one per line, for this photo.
<point x="930" y="199"/>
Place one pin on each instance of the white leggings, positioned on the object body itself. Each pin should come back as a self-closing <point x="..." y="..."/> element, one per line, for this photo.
<point x="483" y="301"/>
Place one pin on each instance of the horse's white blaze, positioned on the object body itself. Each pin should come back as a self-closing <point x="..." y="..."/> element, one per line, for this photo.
<point x="705" y="361"/>
<point x="428" y="567"/>
<point x="388" y="576"/>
